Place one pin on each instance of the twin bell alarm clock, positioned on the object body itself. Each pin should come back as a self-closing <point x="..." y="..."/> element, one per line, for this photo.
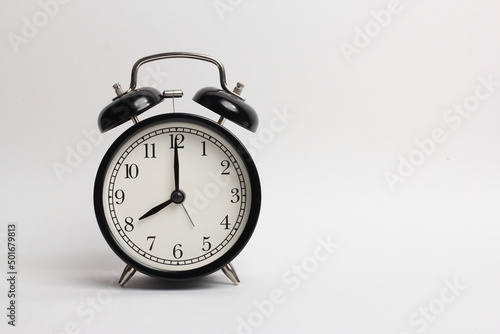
<point x="177" y="196"/>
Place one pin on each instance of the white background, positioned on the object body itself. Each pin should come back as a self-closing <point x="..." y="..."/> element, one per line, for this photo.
<point x="351" y="120"/>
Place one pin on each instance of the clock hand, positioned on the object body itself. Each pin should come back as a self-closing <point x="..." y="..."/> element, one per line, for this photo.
<point x="187" y="214"/>
<point x="176" y="166"/>
<point x="156" y="209"/>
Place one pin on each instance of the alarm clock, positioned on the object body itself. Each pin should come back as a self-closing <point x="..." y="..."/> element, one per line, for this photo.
<point x="177" y="196"/>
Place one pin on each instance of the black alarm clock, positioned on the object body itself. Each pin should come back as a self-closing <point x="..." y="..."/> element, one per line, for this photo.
<point x="177" y="196"/>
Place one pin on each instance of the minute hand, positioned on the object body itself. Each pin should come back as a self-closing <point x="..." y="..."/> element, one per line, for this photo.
<point x="156" y="209"/>
<point x="176" y="167"/>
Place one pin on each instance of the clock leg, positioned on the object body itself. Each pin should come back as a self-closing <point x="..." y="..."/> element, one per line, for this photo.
<point x="128" y="272"/>
<point x="229" y="271"/>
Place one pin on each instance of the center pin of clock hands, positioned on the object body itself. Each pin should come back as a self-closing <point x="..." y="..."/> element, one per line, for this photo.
<point x="177" y="195"/>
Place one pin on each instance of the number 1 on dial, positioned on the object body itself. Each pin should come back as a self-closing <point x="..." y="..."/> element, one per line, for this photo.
<point x="204" y="149"/>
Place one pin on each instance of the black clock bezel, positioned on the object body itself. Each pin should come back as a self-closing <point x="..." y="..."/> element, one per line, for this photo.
<point x="247" y="232"/>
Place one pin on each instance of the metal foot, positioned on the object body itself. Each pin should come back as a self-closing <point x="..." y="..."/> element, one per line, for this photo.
<point x="128" y="272"/>
<point x="229" y="271"/>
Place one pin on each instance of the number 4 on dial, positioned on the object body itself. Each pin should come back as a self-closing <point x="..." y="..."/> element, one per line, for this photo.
<point x="225" y="223"/>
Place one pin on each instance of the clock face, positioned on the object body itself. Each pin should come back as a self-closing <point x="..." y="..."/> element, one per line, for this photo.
<point x="177" y="196"/>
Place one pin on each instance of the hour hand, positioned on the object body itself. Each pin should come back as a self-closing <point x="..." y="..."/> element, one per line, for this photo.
<point x="156" y="209"/>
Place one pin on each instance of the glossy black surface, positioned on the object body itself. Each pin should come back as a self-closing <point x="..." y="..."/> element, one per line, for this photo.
<point x="125" y="107"/>
<point x="229" y="107"/>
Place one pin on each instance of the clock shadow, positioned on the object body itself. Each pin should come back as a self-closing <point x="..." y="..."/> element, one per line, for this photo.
<point x="143" y="282"/>
<point x="99" y="272"/>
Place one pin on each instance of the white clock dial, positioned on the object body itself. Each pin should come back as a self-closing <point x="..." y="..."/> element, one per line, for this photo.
<point x="176" y="194"/>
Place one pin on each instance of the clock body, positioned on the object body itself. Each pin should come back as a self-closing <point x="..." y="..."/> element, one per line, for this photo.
<point x="177" y="196"/>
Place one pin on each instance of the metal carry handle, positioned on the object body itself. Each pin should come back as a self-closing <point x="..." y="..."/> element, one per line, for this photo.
<point x="190" y="55"/>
